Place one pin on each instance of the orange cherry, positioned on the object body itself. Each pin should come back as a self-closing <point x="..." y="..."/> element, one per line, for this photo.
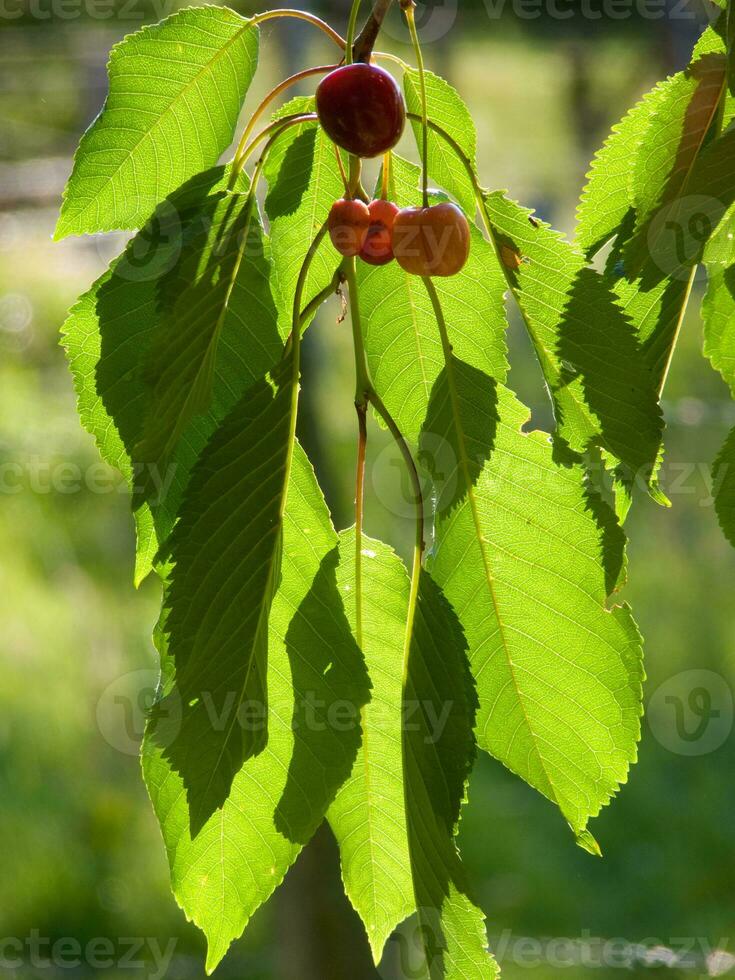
<point x="348" y="225"/>
<point x="378" y="246"/>
<point x="433" y="241"/>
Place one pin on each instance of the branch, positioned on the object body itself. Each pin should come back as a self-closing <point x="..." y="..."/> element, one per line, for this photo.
<point x="365" y="42"/>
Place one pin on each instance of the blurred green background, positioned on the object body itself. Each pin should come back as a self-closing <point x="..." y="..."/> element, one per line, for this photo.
<point x="82" y="860"/>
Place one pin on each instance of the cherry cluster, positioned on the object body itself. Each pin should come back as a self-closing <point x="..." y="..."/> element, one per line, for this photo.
<point x="361" y="109"/>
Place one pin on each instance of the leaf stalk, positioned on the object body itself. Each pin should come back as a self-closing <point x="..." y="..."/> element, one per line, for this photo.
<point x="300" y="15"/>
<point x="351" y="27"/>
<point x="273" y="94"/>
<point x="275" y="128"/>
<point x="408" y="7"/>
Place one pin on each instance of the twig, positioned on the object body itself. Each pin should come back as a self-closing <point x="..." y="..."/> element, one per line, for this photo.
<point x="365" y="42"/>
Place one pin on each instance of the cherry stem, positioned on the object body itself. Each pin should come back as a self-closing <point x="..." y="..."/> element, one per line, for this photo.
<point x="330" y="290"/>
<point x="365" y="393"/>
<point x="297" y="318"/>
<point x="384" y="56"/>
<point x="352" y="25"/>
<point x="342" y="170"/>
<point x="300" y="15"/>
<point x="355" y="187"/>
<point x="363" y="383"/>
<point x="275" y="128"/>
<point x="273" y="94"/>
<point x="359" y="512"/>
<point x="234" y="175"/>
<point x="408" y="10"/>
<point x="385" y="176"/>
<point x="363" y="386"/>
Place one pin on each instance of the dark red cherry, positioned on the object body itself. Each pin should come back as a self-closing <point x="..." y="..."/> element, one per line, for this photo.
<point x="378" y="246"/>
<point x="361" y="109"/>
<point x="348" y="225"/>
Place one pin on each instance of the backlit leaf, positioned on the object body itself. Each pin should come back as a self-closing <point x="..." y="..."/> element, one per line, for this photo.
<point x="176" y="90"/>
<point x="607" y="196"/>
<point x="447" y="109"/>
<point x="603" y="391"/>
<point x="401" y="337"/>
<point x="226" y="552"/>
<point x="112" y="328"/>
<point x="723" y="479"/>
<point x="303" y="183"/>
<point x="527" y="556"/>
<point x="278" y="798"/>
<point x="396" y="818"/>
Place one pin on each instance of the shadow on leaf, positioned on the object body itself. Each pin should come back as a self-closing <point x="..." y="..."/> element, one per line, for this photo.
<point x="331" y="686"/>
<point x="438" y="760"/>
<point x="226" y="569"/>
<point x="128" y="302"/>
<point x="168" y="272"/>
<point x="602" y="353"/>
<point x="458" y="434"/>
<point x="285" y="194"/>
<point x="612" y="537"/>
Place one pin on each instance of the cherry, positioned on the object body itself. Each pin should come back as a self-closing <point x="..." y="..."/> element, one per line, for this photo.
<point x="433" y="241"/>
<point x="361" y="109"/>
<point x="348" y="225"/>
<point x="378" y="246"/>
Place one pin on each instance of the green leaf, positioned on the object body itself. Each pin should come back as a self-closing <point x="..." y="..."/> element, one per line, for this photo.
<point x="278" y="798"/>
<point x="723" y="479"/>
<point x="368" y="814"/>
<point x="718" y="304"/>
<point x="656" y="316"/>
<point x="527" y="556"/>
<point x="447" y="110"/>
<point x="661" y="135"/>
<point x="718" y="314"/>
<point x="401" y="337"/>
<point x="436" y="770"/>
<point x="303" y="183"/>
<point x="113" y="326"/>
<point x="602" y="389"/>
<point x="647" y="154"/>
<point x="676" y="236"/>
<point x="226" y="555"/>
<point x="195" y="304"/>
<point x="176" y="90"/>
<point x="396" y="818"/>
<point x="676" y="133"/>
<point x="606" y="200"/>
<point x="677" y="202"/>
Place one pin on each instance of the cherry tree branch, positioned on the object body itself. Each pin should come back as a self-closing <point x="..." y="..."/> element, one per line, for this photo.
<point x="365" y="41"/>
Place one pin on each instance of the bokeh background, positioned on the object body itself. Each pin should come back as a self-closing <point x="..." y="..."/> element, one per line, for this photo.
<point x="80" y="855"/>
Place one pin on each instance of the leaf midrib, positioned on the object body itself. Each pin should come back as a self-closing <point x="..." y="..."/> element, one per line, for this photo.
<point x="482" y="545"/>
